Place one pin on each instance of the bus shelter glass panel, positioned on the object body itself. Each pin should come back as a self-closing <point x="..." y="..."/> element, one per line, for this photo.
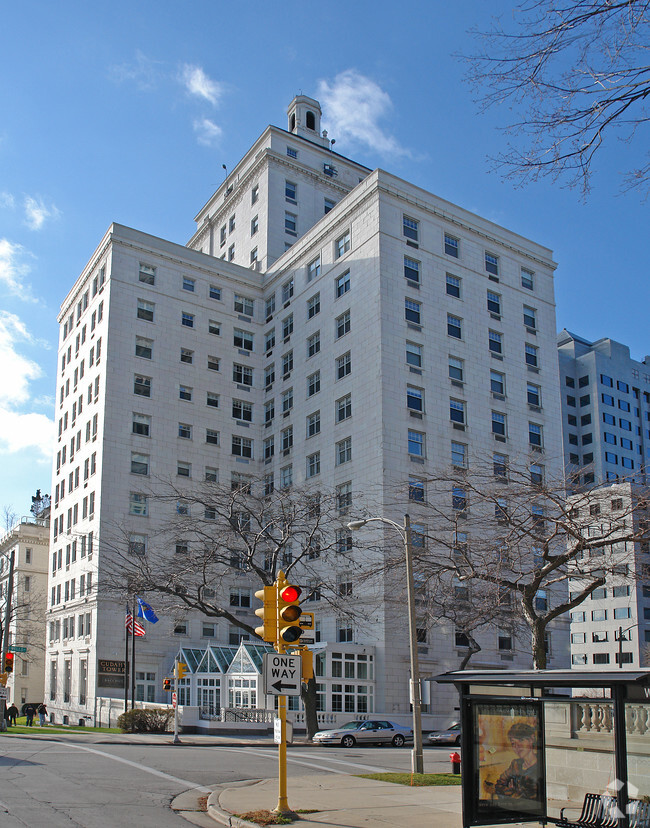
<point x="637" y="726"/>
<point x="579" y="738"/>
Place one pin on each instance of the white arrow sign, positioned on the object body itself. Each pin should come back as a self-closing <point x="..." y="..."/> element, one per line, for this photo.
<point x="282" y="674"/>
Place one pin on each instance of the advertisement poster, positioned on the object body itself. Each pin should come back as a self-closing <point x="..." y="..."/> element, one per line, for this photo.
<point x="509" y="762"/>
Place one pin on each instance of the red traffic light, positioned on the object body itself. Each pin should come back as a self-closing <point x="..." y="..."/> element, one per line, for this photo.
<point x="290" y="593"/>
<point x="9" y="663"/>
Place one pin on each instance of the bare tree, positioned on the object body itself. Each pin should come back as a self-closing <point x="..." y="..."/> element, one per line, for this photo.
<point x="578" y="73"/>
<point x="526" y="554"/>
<point x="216" y="535"/>
<point x="9" y="517"/>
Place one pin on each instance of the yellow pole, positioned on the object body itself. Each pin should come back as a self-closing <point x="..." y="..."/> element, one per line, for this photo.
<point x="283" y="803"/>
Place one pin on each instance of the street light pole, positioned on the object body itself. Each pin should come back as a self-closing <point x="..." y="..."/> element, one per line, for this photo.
<point x="417" y="757"/>
<point x="621" y="639"/>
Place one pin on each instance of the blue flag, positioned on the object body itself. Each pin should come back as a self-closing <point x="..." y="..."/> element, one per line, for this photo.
<point x="146" y="611"/>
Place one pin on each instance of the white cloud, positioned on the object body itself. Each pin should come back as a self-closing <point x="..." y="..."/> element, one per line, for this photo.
<point x="20" y="430"/>
<point x="143" y="72"/>
<point x="207" y="132"/>
<point x="7" y="201"/>
<point x="197" y="83"/>
<point x="36" y="212"/>
<point x="353" y="105"/>
<point x="13" y="269"/>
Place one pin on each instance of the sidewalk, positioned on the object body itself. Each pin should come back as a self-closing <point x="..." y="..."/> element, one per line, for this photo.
<point x="342" y="800"/>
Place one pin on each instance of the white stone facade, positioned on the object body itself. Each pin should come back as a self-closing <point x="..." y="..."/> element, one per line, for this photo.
<point x="410" y="291"/>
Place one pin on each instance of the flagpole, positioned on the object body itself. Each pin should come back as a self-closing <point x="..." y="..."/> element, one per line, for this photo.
<point x="126" y="663"/>
<point x="133" y="659"/>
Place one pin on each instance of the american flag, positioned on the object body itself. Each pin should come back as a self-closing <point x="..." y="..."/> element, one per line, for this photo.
<point x="129" y="623"/>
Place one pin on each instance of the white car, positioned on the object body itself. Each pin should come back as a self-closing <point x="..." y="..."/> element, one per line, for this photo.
<point x="365" y="732"/>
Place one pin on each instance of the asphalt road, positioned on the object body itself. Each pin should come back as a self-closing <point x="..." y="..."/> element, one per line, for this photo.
<point x="82" y="782"/>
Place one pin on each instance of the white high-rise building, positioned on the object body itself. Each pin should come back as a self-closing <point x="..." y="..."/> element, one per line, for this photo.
<point x="392" y="332"/>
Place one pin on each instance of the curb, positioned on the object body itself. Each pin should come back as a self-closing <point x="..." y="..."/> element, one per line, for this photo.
<point x="216" y="812"/>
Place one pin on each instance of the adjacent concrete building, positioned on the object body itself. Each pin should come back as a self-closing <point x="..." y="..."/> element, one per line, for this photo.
<point x="326" y="325"/>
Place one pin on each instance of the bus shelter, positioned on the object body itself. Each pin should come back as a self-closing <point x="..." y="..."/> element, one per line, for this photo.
<point x="536" y="741"/>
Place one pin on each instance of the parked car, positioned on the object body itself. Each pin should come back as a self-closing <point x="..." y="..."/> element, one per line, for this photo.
<point x="451" y="736"/>
<point x="368" y="732"/>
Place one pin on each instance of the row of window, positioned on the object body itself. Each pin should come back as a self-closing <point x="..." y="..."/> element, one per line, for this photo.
<point x="87" y="511"/>
<point x="97" y="286"/>
<point x="63" y="629"/>
<point x="69" y="593"/>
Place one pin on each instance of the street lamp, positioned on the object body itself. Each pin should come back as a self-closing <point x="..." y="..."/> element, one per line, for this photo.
<point x="417" y="758"/>
<point x="621" y="639"/>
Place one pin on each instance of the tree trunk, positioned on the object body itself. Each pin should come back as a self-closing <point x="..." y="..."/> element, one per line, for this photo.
<point x="308" y="695"/>
<point x="537" y="645"/>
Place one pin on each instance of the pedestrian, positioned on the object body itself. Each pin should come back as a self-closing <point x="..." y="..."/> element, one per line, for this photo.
<point x="42" y="713"/>
<point x="13" y="712"/>
<point x="7" y="715"/>
<point x="29" y="715"/>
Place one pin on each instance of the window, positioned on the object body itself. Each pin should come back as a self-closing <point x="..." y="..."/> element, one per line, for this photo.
<point x="142" y="385"/>
<point x="342" y="283"/>
<point x="344" y="408"/>
<point x="454" y="324"/>
<point x="242" y="374"/>
<point x="214" y="292"/>
<point x="412" y="269"/>
<point x="414" y="354"/>
<point x="287" y="400"/>
<point x="414" y="398"/>
<point x="536" y="473"/>
<point x="313" y="344"/>
<point x="313" y="384"/>
<point x="185" y="431"/>
<point x="292" y="153"/>
<point x="344" y="497"/>
<point x="500" y="466"/>
<point x="145" y="310"/>
<point x="452" y="246"/>
<point x="255" y="193"/>
<point x="412" y="311"/>
<point x="286" y="477"/>
<point x="459" y="499"/>
<point x="313" y="424"/>
<point x="452" y="286"/>
<point x="211" y="475"/>
<point x="342" y="245"/>
<point x="531" y="356"/>
<point x="139" y="463"/>
<point x="242" y="446"/>
<point x="287" y="364"/>
<point x="290" y="223"/>
<point x="187" y="356"/>
<point x="253" y="259"/>
<point x="185" y="393"/>
<point x="214" y="327"/>
<point x="286" y="437"/>
<point x="458" y="455"/>
<point x="183" y="469"/>
<point x="417" y="491"/>
<point x="535" y="434"/>
<point x="534" y="395"/>
<point x="492" y="264"/>
<point x="187" y="319"/>
<point x="410" y="228"/>
<point x="527" y="279"/>
<point x="313" y="269"/>
<point x="138" y="504"/>
<point x="242" y="411"/>
<point x="494" y="303"/>
<point x="456" y="369"/>
<point x="212" y="436"/>
<point x="313" y="306"/>
<point x="498" y="383"/>
<point x="231" y="224"/>
<point x="291" y="191"/>
<point x="495" y="342"/>
<point x="313" y="464"/>
<point x="269" y="447"/>
<point x="147" y="274"/>
<point x="244" y="305"/>
<point x="457" y="411"/>
<point x="329" y="204"/>
<point x="189" y="284"/>
<point x="530" y="317"/>
<point x="610" y="457"/>
<point x="242" y="339"/>
<point x="416" y="443"/>
<point x="143" y="347"/>
<point x="343" y="365"/>
<point x="622" y="612"/>
<point x="344" y="451"/>
<point x="343" y="324"/>
<point x="498" y="423"/>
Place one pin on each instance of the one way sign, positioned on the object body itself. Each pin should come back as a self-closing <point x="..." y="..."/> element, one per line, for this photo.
<point x="282" y="674"/>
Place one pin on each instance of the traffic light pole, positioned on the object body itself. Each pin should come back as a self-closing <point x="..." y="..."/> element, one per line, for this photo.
<point x="417" y="757"/>
<point x="5" y="631"/>
<point x="176" y="741"/>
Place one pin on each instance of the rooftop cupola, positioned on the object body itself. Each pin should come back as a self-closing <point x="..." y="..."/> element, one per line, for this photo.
<point x="304" y="120"/>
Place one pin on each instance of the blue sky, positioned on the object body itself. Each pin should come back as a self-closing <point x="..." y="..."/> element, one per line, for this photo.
<point x="126" y="112"/>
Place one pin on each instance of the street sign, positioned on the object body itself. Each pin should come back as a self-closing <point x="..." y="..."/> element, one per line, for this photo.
<point x="14" y="649"/>
<point x="282" y="674"/>
<point x="4" y="692"/>
<point x="306" y="639"/>
<point x="174" y="700"/>
<point x="306" y="622"/>
<point x="277" y="731"/>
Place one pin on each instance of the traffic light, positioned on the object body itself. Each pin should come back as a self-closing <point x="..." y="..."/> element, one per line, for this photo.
<point x="181" y="669"/>
<point x="268" y="612"/>
<point x="9" y="663"/>
<point x="289" y="611"/>
<point x="167" y="684"/>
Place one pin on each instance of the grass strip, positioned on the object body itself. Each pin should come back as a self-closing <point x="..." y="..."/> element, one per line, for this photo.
<point x="415" y="779"/>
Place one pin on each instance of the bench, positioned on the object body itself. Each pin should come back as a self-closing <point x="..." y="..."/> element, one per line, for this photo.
<point x="600" y="811"/>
